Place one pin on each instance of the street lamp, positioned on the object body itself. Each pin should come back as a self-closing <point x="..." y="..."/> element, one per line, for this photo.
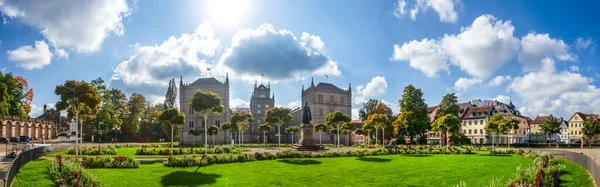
<point x="116" y="128"/>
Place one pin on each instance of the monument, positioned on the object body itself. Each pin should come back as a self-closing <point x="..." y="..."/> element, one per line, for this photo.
<point x="307" y="142"/>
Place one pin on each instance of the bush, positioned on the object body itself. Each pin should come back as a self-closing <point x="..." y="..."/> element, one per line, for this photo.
<point x="106" y="162"/>
<point x="66" y="172"/>
<point x="94" y="150"/>
<point x="184" y="151"/>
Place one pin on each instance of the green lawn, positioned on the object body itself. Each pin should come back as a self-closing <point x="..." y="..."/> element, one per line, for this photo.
<point x="390" y="170"/>
<point x="130" y="152"/>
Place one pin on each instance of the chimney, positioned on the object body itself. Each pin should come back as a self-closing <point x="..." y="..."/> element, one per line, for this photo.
<point x="45" y="106"/>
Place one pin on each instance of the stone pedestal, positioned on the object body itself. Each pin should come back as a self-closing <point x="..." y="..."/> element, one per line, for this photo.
<point x="307" y="141"/>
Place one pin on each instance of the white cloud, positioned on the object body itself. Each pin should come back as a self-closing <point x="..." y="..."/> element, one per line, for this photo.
<point x="28" y="57"/>
<point x="425" y="55"/>
<point x="36" y="111"/>
<point x="377" y="86"/>
<point x="79" y="25"/>
<point x="584" y="43"/>
<point x="149" y="69"/>
<point x="574" y="68"/>
<point x="479" y="50"/>
<point x="444" y="8"/>
<point x="239" y="103"/>
<point x="483" y="47"/>
<point x="463" y="84"/>
<point x="61" y="53"/>
<point x="498" y="80"/>
<point x="535" y="47"/>
<point x="277" y="54"/>
<point x="502" y="98"/>
<point x="355" y="113"/>
<point x="294" y="104"/>
<point x="549" y="91"/>
<point x="394" y="106"/>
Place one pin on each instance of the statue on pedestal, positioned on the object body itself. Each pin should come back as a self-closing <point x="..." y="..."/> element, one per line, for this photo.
<point x="306" y="115"/>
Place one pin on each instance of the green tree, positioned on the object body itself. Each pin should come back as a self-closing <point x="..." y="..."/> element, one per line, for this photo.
<point x="369" y="129"/>
<point x="591" y="128"/>
<point x="264" y="128"/>
<point x="347" y="129"/>
<point x="336" y="119"/>
<point x="374" y="106"/>
<point x="207" y="103"/>
<point x="4" y="106"/>
<point x="448" y="105"/>
<point x="195" y="133"/>
<point x="137" y="106"/>
<point x="171" y="96"/>
<point x="291" y="130"/>
<point x="448" y="123"/>
<point x="417" y="122"/>
<point x="278" y="116"/>
<point x="550" y="126"/>
<point x="508" y="126"/>
<point x="79" y="98"/>
<point x="321" y="128"/>
<point x="238" y="120"/>
<point x="213" y="130"/>
<point x="172" y="117"/>
<point x="226" y="127"/>
<point x="378" y="121"/>
<point x="493" y="125"/>
<point x="459" y="138"/>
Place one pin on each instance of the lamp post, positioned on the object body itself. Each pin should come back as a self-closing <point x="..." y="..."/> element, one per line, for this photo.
<point x="98" y="132"/>
<point x="116" y="128"/>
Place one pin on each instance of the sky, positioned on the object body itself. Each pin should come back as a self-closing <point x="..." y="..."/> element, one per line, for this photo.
<point x="541" y="55"/>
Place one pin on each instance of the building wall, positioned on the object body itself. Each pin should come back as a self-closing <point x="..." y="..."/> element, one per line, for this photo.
<point x="475" y="130"/>
<point x="575" y="125"/>
<point x="260" y="102"/>
<point x="195" y="120"/>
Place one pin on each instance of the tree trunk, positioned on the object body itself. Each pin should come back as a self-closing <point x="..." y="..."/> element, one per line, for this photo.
<point x="292" y="138"/>
<point x="264" y="139"/>
<point x="338" y="136"/>
<point x="205" y="132"/>
<point x="278" y="136"/>
<point x="320" y="134"/>
<point x="376" y="139"/>
<point x="383" y="136"/>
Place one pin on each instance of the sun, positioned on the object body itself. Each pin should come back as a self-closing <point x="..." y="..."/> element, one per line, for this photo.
<point x="228" y="12"/>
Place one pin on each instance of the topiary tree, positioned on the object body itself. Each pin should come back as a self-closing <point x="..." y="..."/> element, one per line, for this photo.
<point x="447" y="123"/>
<point x="207" y="103"/>
<point x="240" y="120"/>
<point x="336" y="119"/>
<point x="347" y="129"/>
<point x="321" y="128"/>
<point x="213" y="130"/>
<point x="172" y="117"/>
<point x="195" y="133"/>
<point x="291" y="130"/>
<point x="264" y="128"/>
<point x="226" y="127"/>
<point x="378" y="121"/>
<point x="278" y="116"/>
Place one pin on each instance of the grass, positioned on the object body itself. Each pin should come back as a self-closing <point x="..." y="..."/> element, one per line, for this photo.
<point x="389" y="170"/>
<point x="34" y="173"/>
<point x="130" y="152"/>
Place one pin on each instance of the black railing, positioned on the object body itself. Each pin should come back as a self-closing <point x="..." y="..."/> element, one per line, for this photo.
<point x="581" y="159"/>
<point x="21" y="160"/>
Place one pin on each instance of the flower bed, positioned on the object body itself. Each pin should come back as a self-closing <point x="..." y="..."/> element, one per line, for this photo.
<point x="106" y="162"/>
<point x="214" y="159"/>
<point x="66" y="172"/>
<point x="183" y="151"/>
<point x="94" y="150"/>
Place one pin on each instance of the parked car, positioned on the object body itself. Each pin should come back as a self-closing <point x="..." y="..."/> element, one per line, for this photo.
<point x="24" y="138"/>
<point x="62" y="133"/>
<point x="14" y="139"/>
<point x="4" y="140"/>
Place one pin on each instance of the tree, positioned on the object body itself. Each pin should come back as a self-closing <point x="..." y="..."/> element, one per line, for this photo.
<point x="445" y="124"/>
<point x="336" y="119"/>
<point x="242" y="128"/>
<point x="27" y="94"/>
<point x="448" y="105"/>
<point x="137" y="106"/>
<point x="238" y="120"/>
<point x="264" y="128"/>
<point x="321" y="128"/>
<point x="278" y="116"/>
<point x="213" y="130"/>
<point x="226" y="127"/>
<point x="173" y="117"/>
<point x="417" y="122"/>
<point x="79" y="98"/>
<point x="459" y="138"/>
<point x="493" y="125"/>
<point x="291" y="130"/>
<point x="369" y="128"/>
<point x="347" y="129"/>
<point x="550" y="126"/>
<point x="508" y="125"/>
<point x="591" y="127"/>
<point x="378" y="121"/>
<point x="171" y="96"/>
<point x="372" y="106"/>
<point x="196" y="133"/>
<point x="207" y="103"/>
<point x="4" y="106"/>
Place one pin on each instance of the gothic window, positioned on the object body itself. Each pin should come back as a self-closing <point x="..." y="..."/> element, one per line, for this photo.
<point x="331" y="98"/>
<point x="191" y="124"/>
<point x="218" y="123"/>
<point x="320" y="98"/>
<point x="267" y="106"/>
<point x="343" y="100"/>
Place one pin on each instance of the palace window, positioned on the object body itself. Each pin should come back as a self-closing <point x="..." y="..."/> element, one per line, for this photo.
<point x="469" y="131"/>
<point x="191" y="110"/>
<point x="218" y="123"/>
<point x="258" y="111"/>
<point x="343" y="100"/>
<point x="480" y="131"/>
<point x="331" y="98"/>
<point x="191" y="124"/>
<point x="266" y="106"/>
<point x="258" y="106"/>
<point x="320" y="112"/>
<point x="320" y="98"/>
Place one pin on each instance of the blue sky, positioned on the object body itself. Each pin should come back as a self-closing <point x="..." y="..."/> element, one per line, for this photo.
<point x="541" y="54"/>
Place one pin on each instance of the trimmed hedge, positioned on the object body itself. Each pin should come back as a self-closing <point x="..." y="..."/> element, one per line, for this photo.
<point x="94" y="150"/>
<point x="106" y="162"/>
<point x="184" y="151"/>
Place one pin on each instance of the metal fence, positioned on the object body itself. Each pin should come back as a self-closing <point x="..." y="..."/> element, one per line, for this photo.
<point x="21" y="160"/>
<point x="585" y="161"/>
